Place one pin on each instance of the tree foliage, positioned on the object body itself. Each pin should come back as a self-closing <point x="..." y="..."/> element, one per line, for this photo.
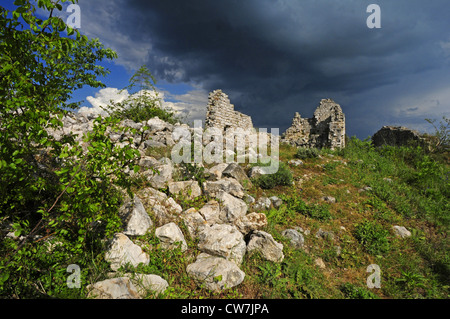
<point x="143" y="103"/>
<point x="50" y="188"/>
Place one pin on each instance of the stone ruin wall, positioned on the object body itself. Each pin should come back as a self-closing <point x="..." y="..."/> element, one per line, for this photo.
<point x="325" y="130"/>
<point x="220" y="113"/>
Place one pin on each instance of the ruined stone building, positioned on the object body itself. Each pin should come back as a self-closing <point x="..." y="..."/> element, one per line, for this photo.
<point x="325" y="130"/>
<point x="220" y="113"/>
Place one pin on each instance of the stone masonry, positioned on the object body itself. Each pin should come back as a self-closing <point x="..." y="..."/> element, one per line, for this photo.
<point x="220" y="113"/>
<point x="325" y="130"/>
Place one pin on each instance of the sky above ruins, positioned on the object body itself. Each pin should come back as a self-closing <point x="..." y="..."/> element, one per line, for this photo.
<point x="275" y="58"/>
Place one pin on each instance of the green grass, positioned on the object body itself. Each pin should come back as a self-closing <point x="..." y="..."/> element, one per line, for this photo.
<point x="409" y="187"/>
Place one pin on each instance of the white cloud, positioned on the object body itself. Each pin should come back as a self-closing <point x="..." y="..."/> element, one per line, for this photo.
<point x="189" y="106"/>
<point x="103" y="98"/>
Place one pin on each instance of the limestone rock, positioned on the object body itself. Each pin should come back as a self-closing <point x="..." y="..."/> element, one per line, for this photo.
<point x="189" y="189"/>
<point x="156" y="124"/>
<point x="148" y="283"/>
<point x="265" y="244"/>
<point x="250" y="222"/>
<point x="325" y="234"/>
<point x="165" y="169"/>
<point x="122" y="251"/>
<point x="231" y="207"/>
<point x="194" y="221"/>
<point x="235" y="171"/>
<point x="262" y="203"/>
<point x="170" y="235"/>
<point x="164" y="209"/>
<point x="217" y="170"/>
<point x="115" y="288"/>
<point x="215" y="273"/>
<point x="136" y="220"/>
<point x="228" y="185"/>
<point x="276" y="202"/>
<point x="296" y="162"/>
<point x="401" y="231"/>
<point x="329" y="199"/>
<point x="296" y="238"/>
<point x="223" y="240"/>
<point x="211" y="212"/>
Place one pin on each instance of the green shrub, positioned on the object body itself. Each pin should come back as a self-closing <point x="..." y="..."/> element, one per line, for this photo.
<point x="283" y="177"/>
<point x="63" y="191"/>
<point x="352" y="291"/>
<point x="303" y="153"/>
<point x="143" y="104"/>
<point x="295" y="205"/>
<point x="373" y="237"/>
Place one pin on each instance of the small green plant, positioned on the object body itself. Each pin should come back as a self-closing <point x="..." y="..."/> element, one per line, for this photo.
<point x="303" y="153"/>
<point x="352" y="291"/>
<point x="373" y="237"/>
<point x="283" y="177"/>
<point x="143" y="104"/>
<point x="296" y="205"/>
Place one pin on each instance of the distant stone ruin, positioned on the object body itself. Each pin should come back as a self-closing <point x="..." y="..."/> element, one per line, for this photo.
<point x="325" y="130"/>
<point x="220" y="113"/>
<point x="397" y="136"/>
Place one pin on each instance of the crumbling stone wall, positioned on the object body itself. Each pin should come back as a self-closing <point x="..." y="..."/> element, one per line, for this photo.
<point x="220" y="113"/>
<point x="397" y="136"/>
<point x="325" y="130"/>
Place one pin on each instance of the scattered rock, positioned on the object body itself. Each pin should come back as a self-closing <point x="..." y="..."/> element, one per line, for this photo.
<point x="228" y="185"/>
<point x="256" y="171"/>
<point x="401" y="231"/>
<point x="223" y="240"/>
<point x="231" y="207"/>
<point x="194" y="221"/>
<point x="115" y="288"/>
<point x="296" y="162"/>
<point x="276" y="202"/>
<point x="235" y="171"/>
<point x="170" y="236"/>
<point x="122" y="251"/>
<point x="325" y="234"/>
<point x="296" y="238"/>
<point x="148" y="283"/>
<point x="211" y="212"/>
<point x="189" y="189"/>
<point x="250" y="222"/>
<point x="329" y="199"/>
<point x="164" y="209"/>
<point x="265" y="244"/>
<point x="365" y="189"/>
<point x="165" y="169"/>
<point x="262" y="203"/>
<point x="135" y="218"/>
<point x="215" y="273"/>
<point x="249" y="199"/>
<point x="216" y="171"/>
<point x="319" y="262"/>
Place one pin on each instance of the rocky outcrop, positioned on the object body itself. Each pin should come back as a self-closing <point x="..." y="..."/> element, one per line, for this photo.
<point x="396" y="136"/>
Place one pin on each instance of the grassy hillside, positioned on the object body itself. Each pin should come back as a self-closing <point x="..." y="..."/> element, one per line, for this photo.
<point x="373" y="190"/>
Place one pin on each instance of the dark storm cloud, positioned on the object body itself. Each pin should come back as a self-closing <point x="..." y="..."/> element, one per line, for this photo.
<point x="277" y="57"/>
